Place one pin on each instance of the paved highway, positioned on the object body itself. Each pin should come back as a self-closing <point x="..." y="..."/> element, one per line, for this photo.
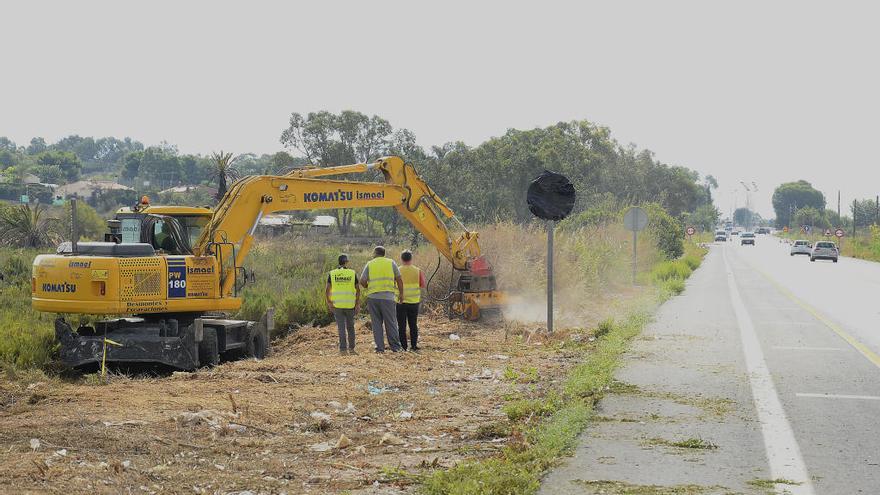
<point x="770" y="359"/>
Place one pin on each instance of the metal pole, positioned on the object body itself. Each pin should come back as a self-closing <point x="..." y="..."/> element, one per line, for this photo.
<point x="74" y="228"/>
<point x="854" y="218"/>
<point x="839" y="223"/>
<point x="550" y="227"/>
<point x="635" y="257"/>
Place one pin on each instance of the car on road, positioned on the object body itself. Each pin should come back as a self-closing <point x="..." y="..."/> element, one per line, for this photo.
<point x="824" y="250"/>
<point x="735" y="232"/>
<point x="721" y="235"/>
<point x="763" y="230"/>
<point x="801" y="246"/>
<point x="747" y="239"/>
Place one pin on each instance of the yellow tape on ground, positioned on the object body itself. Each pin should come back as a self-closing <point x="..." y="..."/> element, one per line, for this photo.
<point x="862" y="348"/>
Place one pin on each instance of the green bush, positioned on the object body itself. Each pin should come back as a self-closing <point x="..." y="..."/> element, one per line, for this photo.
<point x="671" y="270"/>
<point x="303" y="307"/>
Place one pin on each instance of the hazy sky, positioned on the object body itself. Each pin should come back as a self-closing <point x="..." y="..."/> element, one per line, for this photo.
<point x="754" y="91"/>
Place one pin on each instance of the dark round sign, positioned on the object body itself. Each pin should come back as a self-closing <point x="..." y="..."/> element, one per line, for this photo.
<point x="551" y="196"/>
<point x="691" y="231"/>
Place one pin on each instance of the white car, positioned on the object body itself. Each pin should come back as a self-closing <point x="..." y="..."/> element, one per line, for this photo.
<point x="801" y="247"/>
<point x="824" y="250"/>
<point x="721" y="235"/>
<point x="747" y="238"/>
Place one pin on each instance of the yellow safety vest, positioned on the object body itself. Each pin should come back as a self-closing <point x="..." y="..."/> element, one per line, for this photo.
<point x="342" y="289"/>
<point x="412" y="293"/>
<point x="381" y="276"/>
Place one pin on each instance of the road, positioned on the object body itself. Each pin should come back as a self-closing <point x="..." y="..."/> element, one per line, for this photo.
<point x="769" y="363"/>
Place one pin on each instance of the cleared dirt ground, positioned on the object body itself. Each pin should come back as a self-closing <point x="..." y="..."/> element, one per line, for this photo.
<point x="274" y="426"/>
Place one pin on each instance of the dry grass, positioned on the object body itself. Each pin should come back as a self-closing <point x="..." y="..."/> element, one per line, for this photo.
<point x="454" y="390"/>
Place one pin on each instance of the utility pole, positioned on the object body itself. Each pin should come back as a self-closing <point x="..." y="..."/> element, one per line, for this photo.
<point x="838" y="209"/>
<point x="855" y="205"/>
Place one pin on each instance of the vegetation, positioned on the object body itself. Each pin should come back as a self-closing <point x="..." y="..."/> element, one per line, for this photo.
<point x="792" y="196"/>
<point x="223" y="170"/>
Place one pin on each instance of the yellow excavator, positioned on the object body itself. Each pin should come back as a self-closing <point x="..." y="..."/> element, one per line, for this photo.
<point x="175" y="270"/>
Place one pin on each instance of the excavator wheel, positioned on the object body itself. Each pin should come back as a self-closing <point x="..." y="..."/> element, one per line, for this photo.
<point x="209" y="354"/>
<point x="258" y="344"/>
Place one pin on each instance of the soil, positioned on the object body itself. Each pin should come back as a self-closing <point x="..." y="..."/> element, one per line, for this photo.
<point x="274" y="426"/>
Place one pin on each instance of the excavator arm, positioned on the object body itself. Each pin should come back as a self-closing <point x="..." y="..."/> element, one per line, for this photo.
<point x="230" y="233"/>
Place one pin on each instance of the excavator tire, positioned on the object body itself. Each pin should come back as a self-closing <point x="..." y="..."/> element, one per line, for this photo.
<point x="257" y="345"/>
<point x="209" y="354"/>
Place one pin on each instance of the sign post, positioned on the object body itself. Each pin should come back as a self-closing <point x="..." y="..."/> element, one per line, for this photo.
<point x="550" y="197"/>
<point x="690" y="231"/>
<point x="839" y="233"/>
<point x="635" y="219"/>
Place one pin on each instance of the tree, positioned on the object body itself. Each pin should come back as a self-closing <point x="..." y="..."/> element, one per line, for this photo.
<point x="90" y="224"/>
<point x="791" y="196"/>
<point x="705" y="218"/>
<point x="744" y="217"/>
<point x="864" y="212"/>
<point x="38" y="145"/>
<point x="810" y="216"/>
<point x="223" y="170"/>
<point x="67" y="162"/>
<point x="23" y="226"/>
<point x="327" y="139"/>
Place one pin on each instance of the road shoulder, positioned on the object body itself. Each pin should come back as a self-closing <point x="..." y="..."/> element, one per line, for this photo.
<point x="680" y="415"/>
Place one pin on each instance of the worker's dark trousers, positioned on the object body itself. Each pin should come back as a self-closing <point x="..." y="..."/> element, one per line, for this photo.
<point x="345" y="325"/>
<point x="408" y="313"/>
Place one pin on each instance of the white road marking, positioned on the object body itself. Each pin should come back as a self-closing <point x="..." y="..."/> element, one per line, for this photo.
<point x="838" y="396"/>
<point x="796" y="348"/>
<point x="783" y="452"/>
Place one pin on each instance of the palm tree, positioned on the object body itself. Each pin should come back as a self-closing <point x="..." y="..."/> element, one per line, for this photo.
<point x="22" y="226"/>
<point x="223" y="170"/>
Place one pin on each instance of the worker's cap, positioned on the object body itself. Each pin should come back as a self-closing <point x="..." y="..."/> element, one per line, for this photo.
<point x="343" y="259"/>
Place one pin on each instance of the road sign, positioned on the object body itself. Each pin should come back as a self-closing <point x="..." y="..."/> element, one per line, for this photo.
<point x="785" y="229"/>
<point x="635" y="219"/>
<point x="551" y="197"/>
<point x="827" y="232"/>
<point x="839" y="233"/>
<point x="691" y="231"/>
<point x="806" y="229"/>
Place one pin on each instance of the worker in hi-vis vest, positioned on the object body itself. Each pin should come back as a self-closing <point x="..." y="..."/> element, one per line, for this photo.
<point x="408" y="308"/>
<point x="381" y="278"/>
<point x="343" y="299"/>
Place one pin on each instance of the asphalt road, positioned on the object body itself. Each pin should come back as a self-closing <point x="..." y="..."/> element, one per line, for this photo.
<point x="770" y="361"/>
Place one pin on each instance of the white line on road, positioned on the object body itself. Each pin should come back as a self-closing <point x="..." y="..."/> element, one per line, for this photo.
<point x="796" y="348"/>
<point x="783" y="452"/>
<point x="838" y="396"/>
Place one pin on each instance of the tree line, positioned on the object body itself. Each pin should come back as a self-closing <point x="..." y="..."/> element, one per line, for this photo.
<point x="798" y="203"/>
<point x="482" y="183"/>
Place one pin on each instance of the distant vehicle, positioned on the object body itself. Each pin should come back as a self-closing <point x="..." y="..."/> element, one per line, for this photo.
<point x="801" y="247"/>
<point x="721" y="235"/>
<point x="824" y="250"/>
<point x="748" y="238"/>
<point x="735" y="232"/>
<point x="763" y="230"/>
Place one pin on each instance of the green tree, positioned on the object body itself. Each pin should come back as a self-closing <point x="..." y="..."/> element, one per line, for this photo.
<point x="327" y="139"/>
<point x="38" y="145"/>
<point x="810" y="216"/>
<point x="90" y="224"/>
<point x="705" y="218"/>
<point x="67" y="162"/>
<point x="791" y="196"/>
<point x="223" y="170"/>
